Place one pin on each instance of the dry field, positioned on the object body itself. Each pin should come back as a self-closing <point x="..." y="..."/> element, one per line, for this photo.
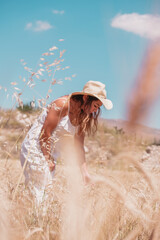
<point x="122" y="202"/>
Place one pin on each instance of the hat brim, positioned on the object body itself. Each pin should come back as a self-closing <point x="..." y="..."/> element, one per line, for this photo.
<point x="106" y="102"/>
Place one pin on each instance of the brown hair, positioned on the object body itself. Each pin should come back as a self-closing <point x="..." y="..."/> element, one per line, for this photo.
<point x="87" y="122"/>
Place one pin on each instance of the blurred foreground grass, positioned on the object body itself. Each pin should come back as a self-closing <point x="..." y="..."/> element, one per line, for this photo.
<point x="123" y="203"/>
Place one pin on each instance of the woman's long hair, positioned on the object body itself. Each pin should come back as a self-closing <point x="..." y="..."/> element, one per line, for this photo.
<point x="87" y="122"/>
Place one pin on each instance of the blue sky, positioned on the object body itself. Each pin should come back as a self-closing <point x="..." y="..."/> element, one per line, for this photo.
<point x="96" y="48"/>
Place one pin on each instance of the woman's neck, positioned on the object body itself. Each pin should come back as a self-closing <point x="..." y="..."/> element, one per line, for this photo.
<point x="74" y="110"/>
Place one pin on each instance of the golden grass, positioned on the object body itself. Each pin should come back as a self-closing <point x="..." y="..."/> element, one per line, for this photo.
<point x="122" y="203"/>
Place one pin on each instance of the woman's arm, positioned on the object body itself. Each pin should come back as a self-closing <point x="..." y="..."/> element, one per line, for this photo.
<point x="79" y="143"/>
<point x="50" y="123"/>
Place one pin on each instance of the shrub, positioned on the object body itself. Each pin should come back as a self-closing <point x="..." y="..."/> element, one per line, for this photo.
<point x="26" y="108"/>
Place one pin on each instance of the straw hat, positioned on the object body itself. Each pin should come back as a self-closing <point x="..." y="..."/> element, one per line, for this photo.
<point x="96" y="89"/>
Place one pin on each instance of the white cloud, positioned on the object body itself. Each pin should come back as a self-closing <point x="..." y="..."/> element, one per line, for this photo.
<point x="61" y="12"/>
<point x="29" y="25"/>
<point x="146" y="25"/>
<point x="38" y="26"/>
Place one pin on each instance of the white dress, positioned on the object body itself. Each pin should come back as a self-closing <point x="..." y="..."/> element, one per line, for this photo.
<point x="36" y="171"/>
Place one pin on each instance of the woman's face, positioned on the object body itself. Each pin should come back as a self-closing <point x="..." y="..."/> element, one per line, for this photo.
<point x="95" y="105"/>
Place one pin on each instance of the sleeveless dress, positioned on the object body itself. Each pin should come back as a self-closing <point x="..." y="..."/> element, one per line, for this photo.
<point x="36" y="171"/>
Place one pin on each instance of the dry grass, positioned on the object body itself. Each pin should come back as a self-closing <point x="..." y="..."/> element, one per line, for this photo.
<point x="122" y="203"/>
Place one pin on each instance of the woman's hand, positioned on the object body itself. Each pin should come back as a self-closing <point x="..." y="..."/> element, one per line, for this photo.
<point x="51" y="164"/>
<point x="87" y="178"/>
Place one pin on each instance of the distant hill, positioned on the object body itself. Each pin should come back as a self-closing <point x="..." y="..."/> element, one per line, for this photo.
<point x="140" y="130"/>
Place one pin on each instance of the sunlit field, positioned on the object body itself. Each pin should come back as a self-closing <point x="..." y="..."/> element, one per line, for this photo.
<point x="121" y="202"/>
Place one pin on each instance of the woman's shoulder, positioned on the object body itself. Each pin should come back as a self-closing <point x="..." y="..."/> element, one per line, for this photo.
<point x="60" y="105"/>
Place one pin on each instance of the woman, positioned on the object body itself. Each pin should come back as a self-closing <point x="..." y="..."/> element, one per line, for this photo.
<point x="75" y="114"/>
